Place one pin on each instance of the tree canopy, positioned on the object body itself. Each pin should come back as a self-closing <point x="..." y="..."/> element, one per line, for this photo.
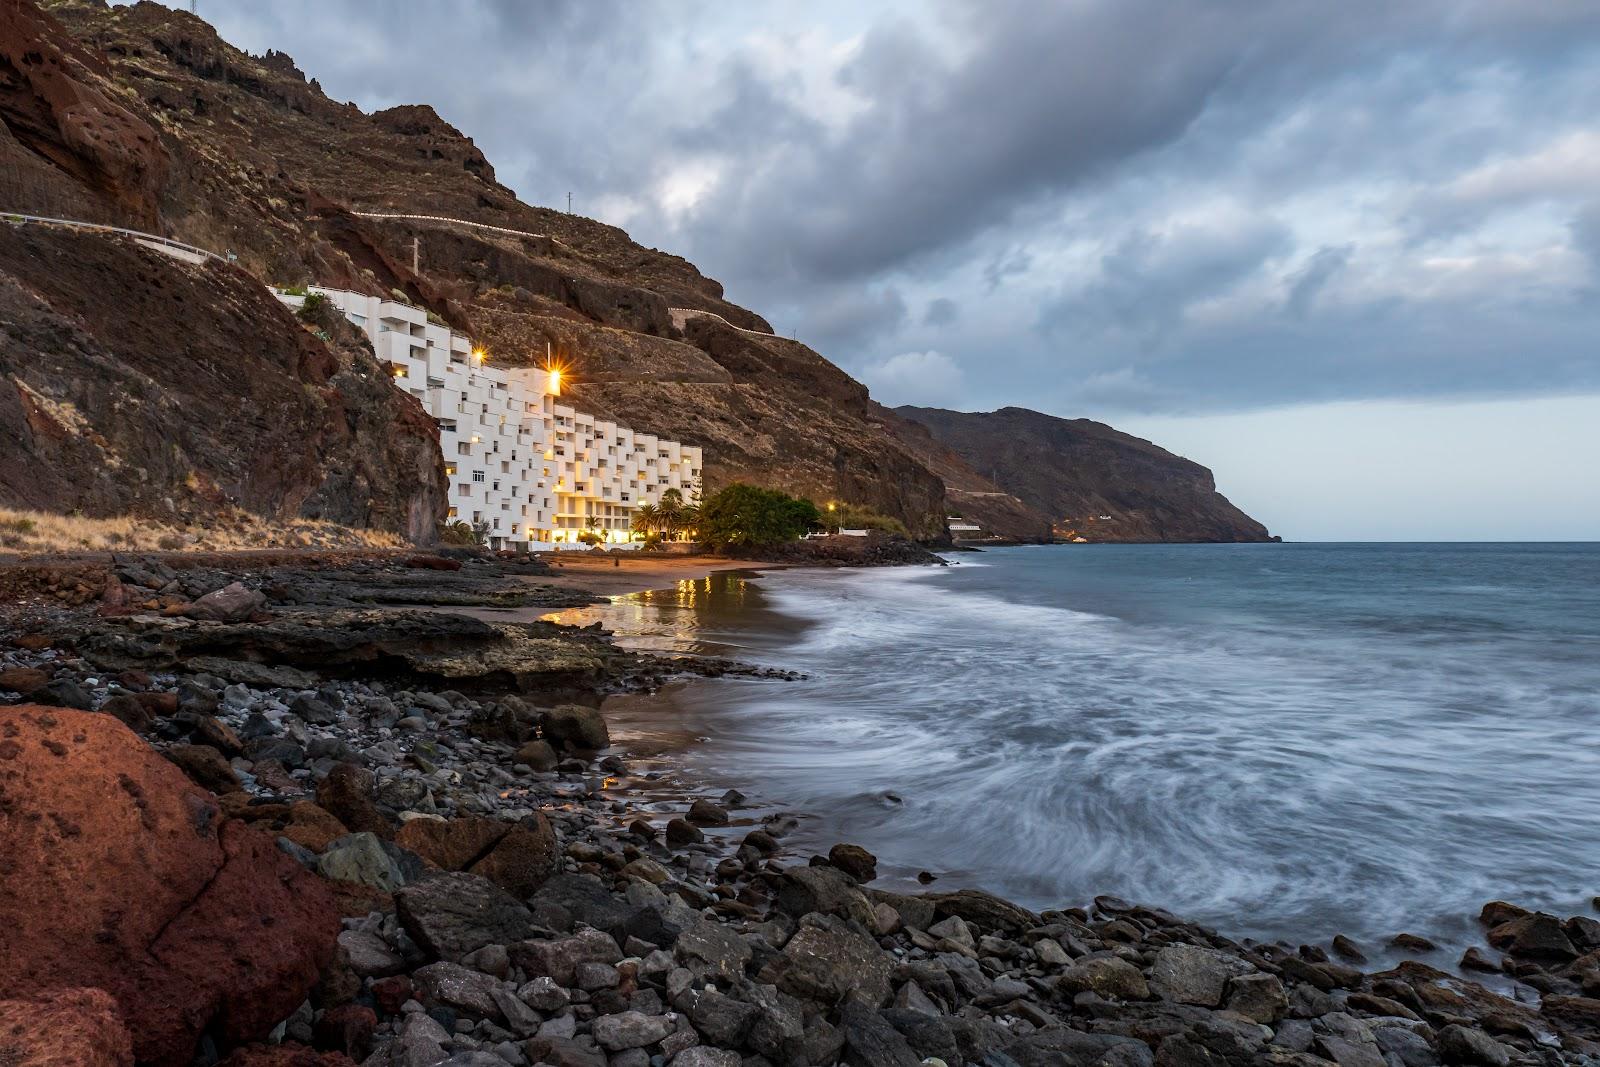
<point x="747" y="515"/>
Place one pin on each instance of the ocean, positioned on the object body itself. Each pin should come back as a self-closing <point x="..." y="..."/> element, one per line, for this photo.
<point x="1283" y="741"/>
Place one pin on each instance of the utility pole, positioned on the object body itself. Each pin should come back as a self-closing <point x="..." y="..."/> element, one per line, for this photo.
<point x="569" y="203"/>
<point x="416" y="255"/>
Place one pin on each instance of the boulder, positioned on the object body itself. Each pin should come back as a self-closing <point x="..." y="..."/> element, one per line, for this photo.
<point x="707" y="813"/>
<point x="559" y="958"/>
<point x="1190" y="974"/>
<point x="1105" y="976"/>
<point x="984" y="910"/>
<point x="712" y="950"/>
<point x="361" y="858"/>
<point x="828" y="890"/>
<point x="23" y="680"/>
<point x="346" y="794"/>
<point x="64" y="1028"/>
<point x="870" y="1041"/>
<point x="518" y="857"/>
<point x="855" y="861"/>
<point x="539" y="755"/>
<point x="631" y="1029"/>
<point x="826" y="960"/>
<point x="1535" y="937"/>
<point x="229" y="933"/>
<point x="450" y="915"/>
<point x="575" y="727"/>
<point x="232" y="603"/>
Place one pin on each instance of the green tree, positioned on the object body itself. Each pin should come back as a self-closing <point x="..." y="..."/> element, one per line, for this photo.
<point x="744" y="516"/>
<point x="645" y="519"/>
<point x="670" y="513"/>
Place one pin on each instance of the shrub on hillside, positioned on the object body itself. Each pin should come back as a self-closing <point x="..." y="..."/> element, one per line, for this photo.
<point x="856" y="517"/>
<point x="745" y="516"/>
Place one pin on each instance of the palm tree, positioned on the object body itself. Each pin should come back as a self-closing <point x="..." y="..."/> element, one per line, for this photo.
<point x="646" y="518"/>
<point x="670" y="512"/>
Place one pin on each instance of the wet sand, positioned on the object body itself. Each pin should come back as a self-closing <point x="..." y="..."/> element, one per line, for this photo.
<point x="620" y="575"/>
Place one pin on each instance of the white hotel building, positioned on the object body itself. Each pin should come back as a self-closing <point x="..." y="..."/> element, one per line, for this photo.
<point x="532" y="471"/>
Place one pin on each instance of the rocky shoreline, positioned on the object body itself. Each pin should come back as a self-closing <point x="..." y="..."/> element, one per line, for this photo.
<point x="288" y="816"/>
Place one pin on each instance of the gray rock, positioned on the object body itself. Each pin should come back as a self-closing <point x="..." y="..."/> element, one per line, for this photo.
<point x="490" y="959"/>
<point x="928" y="1035"/>
<point x="360" y="858"/>
<point x="702" y="1056"/>
<point x="779" y="1030"/>
<point x="828" y="958"/>
<point x="458" y="987"/>
<point x="1258" y="996"/>
<point x="520" y="1019"/>
<point x="560" y="958"/>
<point x="232" y="603"/>
<point x="1458" y="1044"/>
<point x="719" y="1018"/>
<point x="824" y="889"/>
<point x="421" y="1042"/>
<point x="545" y="994"/>
<point x="561" y="1026"/>
<point x="870" y="1041"/>
<point x="1189" y="974"/>
<point x="1057" y="1046"/>
<point x="1105" y="976"/>
<point x="1295" y="1035"/>
<point x="1347" y="1053"/>
<point x="450" y="915"/>
<point x="590" y="976"/>
<point x="1402" y="1043"/>
<point x="711" y="949"/>
<point x="630" y="1029"/>
<point x="369" y="955"/>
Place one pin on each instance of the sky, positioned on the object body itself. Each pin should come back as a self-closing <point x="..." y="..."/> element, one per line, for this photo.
<point x="1346" y="255"/>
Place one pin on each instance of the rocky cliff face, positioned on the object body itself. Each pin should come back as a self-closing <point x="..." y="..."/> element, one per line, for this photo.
<point x="191" y="391"/>
<point x="1091" y="480"/>
<point x="142" y="115"/>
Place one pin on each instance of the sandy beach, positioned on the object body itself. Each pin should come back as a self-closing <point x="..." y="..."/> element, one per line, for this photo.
<point x="618" y="575"/>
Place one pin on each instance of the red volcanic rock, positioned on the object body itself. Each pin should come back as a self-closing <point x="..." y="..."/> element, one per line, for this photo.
<point x="61" y="107"/>
<point x="23" y="680"/>
<point x="120" y="875"/>
<point x="518" y="857"/>
<point x="347" y="1029"/>
<point x="64" y="1028"/>
<point x="287" y="1054"/>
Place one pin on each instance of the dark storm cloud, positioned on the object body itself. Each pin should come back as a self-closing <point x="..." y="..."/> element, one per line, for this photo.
<point x="1151" y="204"/>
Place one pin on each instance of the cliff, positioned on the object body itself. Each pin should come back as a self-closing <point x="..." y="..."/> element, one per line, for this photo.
<point x="1093" y="481"/>
<point x="142" y="116"/>
<point x="259" y="162"/>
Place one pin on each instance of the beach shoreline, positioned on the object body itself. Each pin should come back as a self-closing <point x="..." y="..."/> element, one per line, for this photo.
<point x="707" y="907"/>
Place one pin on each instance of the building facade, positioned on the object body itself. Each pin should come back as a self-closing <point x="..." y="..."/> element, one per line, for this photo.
<point x="527" y="469"/>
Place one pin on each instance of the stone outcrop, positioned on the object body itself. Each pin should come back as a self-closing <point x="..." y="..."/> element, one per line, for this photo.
<point x="1089" y="479"/>
<point x="123" y="877"/>
<point x="193" y="392"/>
<point x="64" y="1028"/>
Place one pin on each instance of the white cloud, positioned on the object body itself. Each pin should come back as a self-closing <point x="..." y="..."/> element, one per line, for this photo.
<point x="928" y="379"/>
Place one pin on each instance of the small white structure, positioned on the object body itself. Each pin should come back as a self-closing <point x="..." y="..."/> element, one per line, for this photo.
<point x="530" y="470"/>
<point x="960" y="528"/>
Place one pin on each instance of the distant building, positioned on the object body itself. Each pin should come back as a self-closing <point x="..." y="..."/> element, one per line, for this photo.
<point x="533" y="472"/>
<point x="960" y="529"/>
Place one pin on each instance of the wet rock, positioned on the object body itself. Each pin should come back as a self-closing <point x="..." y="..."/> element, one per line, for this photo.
<point x="1537" y="936"/>
<point x="855" y="861"/>
<point x="1189" y="974"/>
<point x="574" y="727"/>
<point x="64" y="1028"/>
<point x="682" y="832"/>
<point x="826" y="959"/>
<point x="707" y="813"/>
<point x="1348" y="949"/>
<point x="1105" y="976"/>
<point x="984" y="910"/>
<point x="450" y="915"/>
<point x="1411" y="943"/>
<point x="1475" y="959"/>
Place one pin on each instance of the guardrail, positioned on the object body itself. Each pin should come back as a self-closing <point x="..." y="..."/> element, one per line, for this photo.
<point x="453" y="222"/>
<point x="16" y="218"/>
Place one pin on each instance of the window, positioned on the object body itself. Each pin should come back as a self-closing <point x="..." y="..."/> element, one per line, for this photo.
<point x="477" y="476"/>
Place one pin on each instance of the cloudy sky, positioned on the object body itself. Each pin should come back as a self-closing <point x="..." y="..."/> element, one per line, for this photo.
<point x="1346" y="254"/>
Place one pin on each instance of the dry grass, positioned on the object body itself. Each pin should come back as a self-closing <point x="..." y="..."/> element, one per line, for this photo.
<point x="41" y="531"/>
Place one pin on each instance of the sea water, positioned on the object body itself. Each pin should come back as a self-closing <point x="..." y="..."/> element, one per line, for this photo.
<point x="1279" y="740"/>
